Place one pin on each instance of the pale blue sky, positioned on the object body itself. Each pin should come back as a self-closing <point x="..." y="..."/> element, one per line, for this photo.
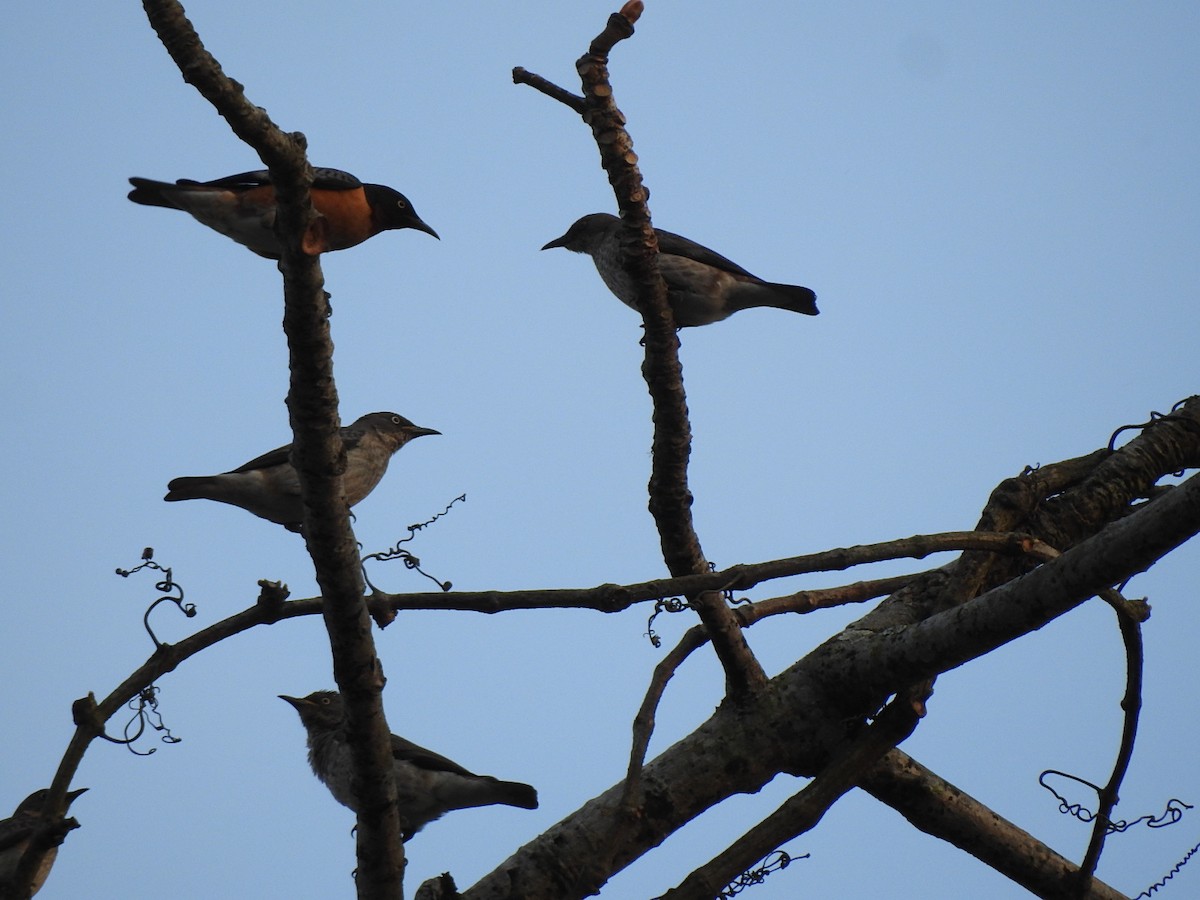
<point x="997" y="207"/>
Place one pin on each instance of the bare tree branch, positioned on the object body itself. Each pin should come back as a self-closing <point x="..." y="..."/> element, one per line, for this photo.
<point x="317" y="453"/>
<point x="670" y="497"/>
<point x="90" y="716"/>
<point x="1131" y="706"/>
<point x="938" y="808"/>
<point x="697" y="636"/>
<point x="549" y="88"/>
<point x="271" y="608"/>
<point x="802" y="812"/>
<point x="948" y="639"/>
<point x="797" y="724"/>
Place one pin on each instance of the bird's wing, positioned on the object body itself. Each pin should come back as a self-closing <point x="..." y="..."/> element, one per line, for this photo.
<point x="257" y="178"/>
<point x="334" y="180"/>
<point x="323" y="179"/>
<point x="15" y="830"/>
<point x="407" y="751"/>
<point x="276" y="457"/>
<point x="677" y="245"/>
<point x="280" y="455"/>
<point x="352" y="437"/>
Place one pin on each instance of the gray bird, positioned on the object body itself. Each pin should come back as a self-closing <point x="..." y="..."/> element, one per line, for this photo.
<point x="427" y="785"/>
<point x="702" y="286"/>
<point x="269" y="487"/>
<point x="16" y="832"/>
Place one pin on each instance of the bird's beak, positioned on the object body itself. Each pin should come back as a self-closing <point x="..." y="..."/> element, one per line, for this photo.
<point x="420" y="225"/>
<point x="71" y="795"/>
<point x="415" y="432"/>
<point x="297" y="702"/>
<point x="557" y="242"/>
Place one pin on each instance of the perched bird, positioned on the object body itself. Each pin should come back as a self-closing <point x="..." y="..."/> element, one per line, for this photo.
<point x="269" y="487"/>
<point x="427" y="785"/>
<point x="16" y="833"/>
<point x="702" y="286"/>
<point x="242" y="207"/>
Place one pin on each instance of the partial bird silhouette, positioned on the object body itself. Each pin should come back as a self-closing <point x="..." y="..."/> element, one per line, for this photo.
<point x="16" y="834"/>
<point x="428" y="785"/>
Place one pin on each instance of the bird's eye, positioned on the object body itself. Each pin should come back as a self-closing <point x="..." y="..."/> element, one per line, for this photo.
<point x="401" y="204"/>
<point x="324" y="701"/>
<point x="395" y="420"/>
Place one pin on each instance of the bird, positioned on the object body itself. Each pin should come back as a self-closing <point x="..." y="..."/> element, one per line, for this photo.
<point x="16" y="833"/>
<point x="427" y="784"/>
<point x="702" y="286"/>
<point x="243" y="207"/>
<point x="269" y="486"/>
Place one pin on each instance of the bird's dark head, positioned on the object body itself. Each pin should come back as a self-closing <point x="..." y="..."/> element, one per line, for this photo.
<point x="392" y="426"/>
<point x="587" y="234"/>
<point x="390" y="209"/>
<point x="319" y="711"/>
<point x="35" y="801"/>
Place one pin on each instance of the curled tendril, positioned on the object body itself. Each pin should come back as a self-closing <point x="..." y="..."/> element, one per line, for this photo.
<point x="166" y="586"/>
<point x="775" y="861"/>
<point x="677" y="604"/>
<point x="667" y="604"/>
<point x="145" y="710"/>
<point x="410" y="560"/>
<point x="1155" y="418"/>
<point x="728" y="592"/>
<point x="1162" y="882"/>
<point x="1171" y="814"/>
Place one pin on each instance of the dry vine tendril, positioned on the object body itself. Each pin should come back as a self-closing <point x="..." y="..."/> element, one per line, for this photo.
<point x="168" y="587"/>
<point x="410" y="561"/>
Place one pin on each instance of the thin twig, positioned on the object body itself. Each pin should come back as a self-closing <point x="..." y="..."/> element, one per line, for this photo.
<point x="1131" y="705"/>
<point x="549" y="88"/>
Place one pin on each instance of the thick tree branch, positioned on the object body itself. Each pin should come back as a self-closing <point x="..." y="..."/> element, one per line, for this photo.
<point x="940" y="809"/>
<point x="797" y="725"/>
<point x="802" y="812"/>
<point x="948" y="639"/>
<point x="804" y="729"/>
<point x="1060" y="505"/>
<point x="696" y="637"/>
<point x="317" y="453"/>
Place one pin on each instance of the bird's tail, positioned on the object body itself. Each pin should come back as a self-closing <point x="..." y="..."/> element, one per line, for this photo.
<point x="153" y="193"/>
<point x="189" y="488"/>
<point x="792" y="297"/>
<point x="513" y="793"/>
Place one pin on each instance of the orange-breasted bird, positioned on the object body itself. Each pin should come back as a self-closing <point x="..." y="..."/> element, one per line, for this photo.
<point x="243" y="207"/>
